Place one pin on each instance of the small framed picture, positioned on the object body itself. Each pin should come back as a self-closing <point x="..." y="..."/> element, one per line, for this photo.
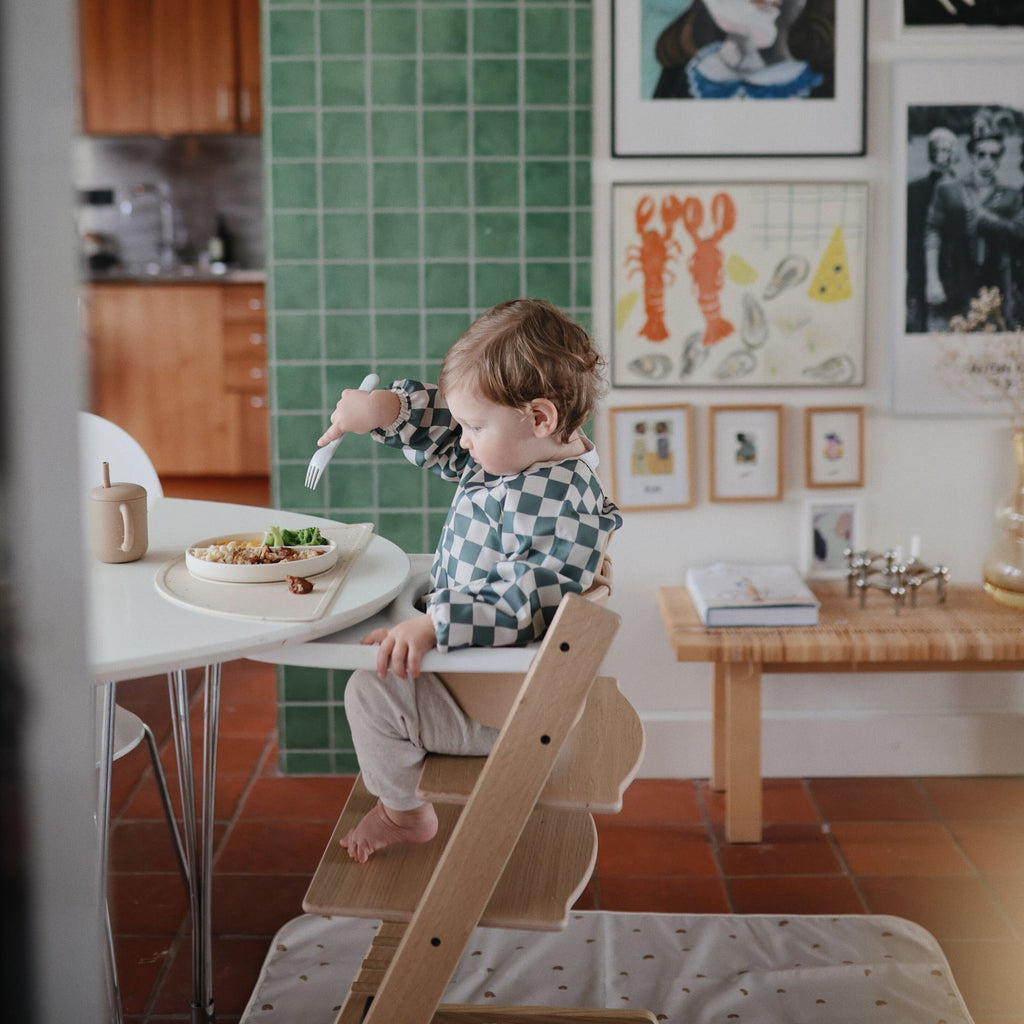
<point x="829" y="526"/>
<point x="746" y="452"/>
<point x="652" y="456"/>
<point x="834" y="446"/>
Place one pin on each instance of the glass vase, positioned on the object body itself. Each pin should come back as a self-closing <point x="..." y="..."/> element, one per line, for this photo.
<point x="1003" y="568"/>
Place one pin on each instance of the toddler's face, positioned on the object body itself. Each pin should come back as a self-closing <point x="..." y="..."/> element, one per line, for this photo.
<point x="500" y="438"/>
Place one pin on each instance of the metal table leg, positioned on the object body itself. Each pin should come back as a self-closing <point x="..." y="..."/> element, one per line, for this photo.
<point x="104" y="764"/>
<point x="198" y="835"/>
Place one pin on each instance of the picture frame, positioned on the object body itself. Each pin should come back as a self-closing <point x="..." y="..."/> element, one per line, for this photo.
<point x="810" y="104"/>
<point x="828" y="526"/>
<point x="834" y="446"/>
<point x="746" y="452"/>
<point x="964" y="20"/>
<point x="947" y="121"/>
<point x="739" y="284"/>
<point x="652" y="456"/>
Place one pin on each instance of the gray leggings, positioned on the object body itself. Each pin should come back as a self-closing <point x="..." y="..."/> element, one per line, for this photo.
<point x="396" y="722"/>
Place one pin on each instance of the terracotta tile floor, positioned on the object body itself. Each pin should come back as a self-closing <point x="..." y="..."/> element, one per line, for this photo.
<point x="947" y="853"/>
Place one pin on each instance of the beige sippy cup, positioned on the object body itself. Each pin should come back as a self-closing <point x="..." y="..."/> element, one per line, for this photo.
<point x="118" y="528"/>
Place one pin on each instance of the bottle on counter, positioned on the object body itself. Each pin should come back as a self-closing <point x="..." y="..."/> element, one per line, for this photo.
<point x="220" y="247"/>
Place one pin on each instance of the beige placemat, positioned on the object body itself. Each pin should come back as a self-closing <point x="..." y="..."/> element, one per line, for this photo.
<point x="266" y="600"/>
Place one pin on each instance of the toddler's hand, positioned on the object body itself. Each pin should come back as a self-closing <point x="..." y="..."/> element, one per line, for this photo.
<point x="359" y="412"/>
<point x="402" y="647"/>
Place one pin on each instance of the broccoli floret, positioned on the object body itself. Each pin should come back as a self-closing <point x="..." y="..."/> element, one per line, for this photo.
<point x="277" y="537"/>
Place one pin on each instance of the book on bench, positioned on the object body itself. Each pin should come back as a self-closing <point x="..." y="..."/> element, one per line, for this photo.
<point x="751" y="595"/>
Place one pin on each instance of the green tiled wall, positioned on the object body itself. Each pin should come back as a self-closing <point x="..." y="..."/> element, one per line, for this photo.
<point x="425" y="159"/>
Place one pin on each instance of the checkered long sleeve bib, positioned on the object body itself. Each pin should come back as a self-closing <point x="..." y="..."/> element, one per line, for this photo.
<point x="512" y="546"/>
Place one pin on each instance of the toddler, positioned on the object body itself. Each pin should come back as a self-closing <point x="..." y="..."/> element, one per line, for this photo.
<point x="528" y="524"/>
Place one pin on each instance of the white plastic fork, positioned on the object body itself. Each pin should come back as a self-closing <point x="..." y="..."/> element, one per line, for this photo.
<point x="322" y="456"/>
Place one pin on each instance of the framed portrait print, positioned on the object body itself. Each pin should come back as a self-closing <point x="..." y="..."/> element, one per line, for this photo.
<point x="714" y="78"/>
<point x="834" y="446"/>
<point x="828" y="527"/>
<point x="957" y="205"/>
<point x="746" y="452"/>
<point x="652" y="456"/>
<point x="739" y="284"/>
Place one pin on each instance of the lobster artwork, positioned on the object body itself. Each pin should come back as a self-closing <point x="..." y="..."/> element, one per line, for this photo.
<point x="706" y="264"/>
<point x="652" y="258"/>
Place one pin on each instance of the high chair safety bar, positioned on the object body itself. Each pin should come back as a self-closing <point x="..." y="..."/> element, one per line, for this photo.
<point x="410" y="964"/>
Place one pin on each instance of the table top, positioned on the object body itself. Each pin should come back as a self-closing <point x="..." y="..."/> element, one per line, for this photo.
<point x="968" y="630"/>
<point x="135" y="631"/>
<point x="344" y="649"/>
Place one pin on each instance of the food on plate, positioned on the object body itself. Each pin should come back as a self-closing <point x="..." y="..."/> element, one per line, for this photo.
<point x="246" y="552"/>
<point x="299" y="584"/>
<point x="278" y="537"/>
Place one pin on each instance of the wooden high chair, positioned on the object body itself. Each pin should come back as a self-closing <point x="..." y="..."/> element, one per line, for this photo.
<point x="516" y="842"/>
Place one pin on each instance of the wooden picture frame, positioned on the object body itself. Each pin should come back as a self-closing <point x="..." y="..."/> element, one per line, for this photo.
<point x="745" y="452"/>
<point x="828" y="527"/>
<point x="739" y="284"/>
<point x="834" y="446"/>
<point x="652" y="456"/>
<point x="810" y="105"/>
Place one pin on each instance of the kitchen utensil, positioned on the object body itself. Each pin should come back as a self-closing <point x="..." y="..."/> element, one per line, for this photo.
<point x="118" y="525"/>
<point x="318" y="463"/>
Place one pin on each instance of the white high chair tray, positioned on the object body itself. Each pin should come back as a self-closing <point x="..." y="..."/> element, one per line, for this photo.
<point x="687" y="969"/>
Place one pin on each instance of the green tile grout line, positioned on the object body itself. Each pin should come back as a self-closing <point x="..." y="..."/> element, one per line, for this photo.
<point x="424" y="159"/>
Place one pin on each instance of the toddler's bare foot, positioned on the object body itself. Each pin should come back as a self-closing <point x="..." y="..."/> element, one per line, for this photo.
<point x="383" y="827"/>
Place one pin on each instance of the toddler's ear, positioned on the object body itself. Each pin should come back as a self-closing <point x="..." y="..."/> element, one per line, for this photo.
<point x="545" y="417"/>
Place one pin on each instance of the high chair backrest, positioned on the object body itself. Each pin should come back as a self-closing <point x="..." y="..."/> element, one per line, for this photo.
<point x="487" y="697"/>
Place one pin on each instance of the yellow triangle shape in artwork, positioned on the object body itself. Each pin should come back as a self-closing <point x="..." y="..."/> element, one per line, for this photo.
<point x="831" y="282"/>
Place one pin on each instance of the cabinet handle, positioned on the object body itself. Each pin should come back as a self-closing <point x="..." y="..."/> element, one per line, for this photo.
<point x="255" y="303"/>
<point x="256" y="372"/>
<point x="257" y="402"/>
<point x="223" y="103"/>
<point x="256" y="338"/>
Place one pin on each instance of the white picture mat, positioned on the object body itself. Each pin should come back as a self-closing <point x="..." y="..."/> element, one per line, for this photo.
<point x="916" y="386"/>
<point x="738" y="480"/>
<point x="837" y="523"/>
<point x="666" y="127"/>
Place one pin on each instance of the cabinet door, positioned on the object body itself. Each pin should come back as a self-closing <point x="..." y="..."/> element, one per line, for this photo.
<point x="248" y="34"/>
<point x="117" y="85"/>
<point x="194" y="74"/>
<point x="156" y="371"/>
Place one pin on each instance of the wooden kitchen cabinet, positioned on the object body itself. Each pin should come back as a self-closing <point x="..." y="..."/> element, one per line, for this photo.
<point x="170" y="67"/>
<point x="183" y="369"/>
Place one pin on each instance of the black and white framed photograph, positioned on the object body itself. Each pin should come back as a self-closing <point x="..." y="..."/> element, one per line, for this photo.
<point x="938" y="19"/>
<point x="797" y="68"/>
<point x="746" y="452"/>
<point x="828" y="528"/>
<point x="652" y="456"/>
<point x="958" y="205"/>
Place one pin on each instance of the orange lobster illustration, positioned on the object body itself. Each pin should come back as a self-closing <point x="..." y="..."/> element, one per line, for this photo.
<point x="652" y="258"/>
<point x="706" y="264"/>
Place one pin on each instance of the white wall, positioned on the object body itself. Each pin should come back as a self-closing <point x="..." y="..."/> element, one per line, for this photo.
<point x="42" y="379"/>
<point x="933" y="476"/>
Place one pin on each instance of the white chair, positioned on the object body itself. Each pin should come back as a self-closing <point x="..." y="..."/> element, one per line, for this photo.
<point x="101" y="441"/>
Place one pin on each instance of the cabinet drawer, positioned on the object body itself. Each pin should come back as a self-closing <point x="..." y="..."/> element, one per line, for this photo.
<point x="243" y="302"/>
<point x="245" y="348"/>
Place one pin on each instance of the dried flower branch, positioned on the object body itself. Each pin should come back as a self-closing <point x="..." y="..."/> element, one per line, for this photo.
<point x="990" y="366"/>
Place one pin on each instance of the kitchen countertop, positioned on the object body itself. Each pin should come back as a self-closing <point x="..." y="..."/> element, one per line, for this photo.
<point x="181" y="275"/>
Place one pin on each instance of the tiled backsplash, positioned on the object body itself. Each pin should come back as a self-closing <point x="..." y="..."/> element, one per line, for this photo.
<point x="426" y="160"/>
<point x="207" y="175"/>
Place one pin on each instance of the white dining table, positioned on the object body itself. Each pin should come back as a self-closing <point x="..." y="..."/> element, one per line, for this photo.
<point x="135" y="630"/>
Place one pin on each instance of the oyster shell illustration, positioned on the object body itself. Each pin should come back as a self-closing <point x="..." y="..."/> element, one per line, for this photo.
<point x="754" y="328"/>
<point x="791" y="270"/>
<point x="834" y="370"/>
<point x="694" y="353"/>
<point x="739" y="364"/>
<point x="653" y="367"/>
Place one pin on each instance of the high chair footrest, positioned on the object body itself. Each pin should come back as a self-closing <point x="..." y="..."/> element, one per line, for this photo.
<point x="535" y="892"/>
<point x="595" y="765"/>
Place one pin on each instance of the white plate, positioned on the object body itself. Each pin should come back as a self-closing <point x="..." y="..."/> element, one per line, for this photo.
<point x="274" y="572"/>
